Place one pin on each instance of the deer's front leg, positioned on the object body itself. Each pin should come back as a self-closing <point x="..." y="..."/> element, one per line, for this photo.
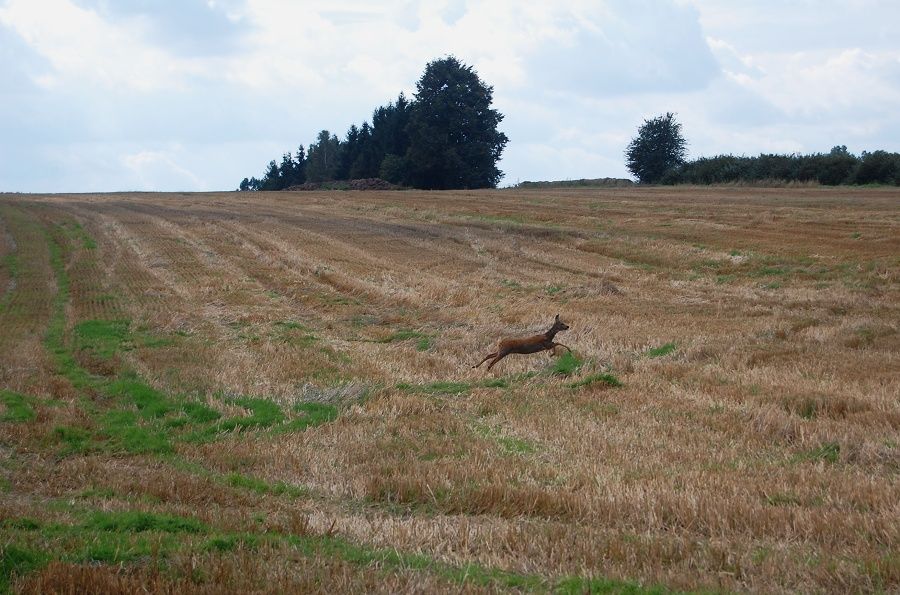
<point x="486" y="358"/>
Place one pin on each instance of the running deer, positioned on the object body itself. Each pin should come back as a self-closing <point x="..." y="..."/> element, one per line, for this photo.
<point x="533" y="344"/>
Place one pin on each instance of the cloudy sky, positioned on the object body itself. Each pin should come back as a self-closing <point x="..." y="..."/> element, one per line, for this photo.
<point x="105" y="95"/>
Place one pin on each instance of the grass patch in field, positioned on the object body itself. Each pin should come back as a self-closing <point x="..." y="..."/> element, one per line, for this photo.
<point x="424" y="340"/>
<point x="312" y="415"/>
<point x="510" y="219"/>
<point x="138" y="521"/>
<point x="229" y="543"/>
<point x="75" y="231"/>
<point x="263" y="413"/>
<point x="339" y="300"/>
<point x="114" y="548"/>
<point x="103" y="337"/>
<point x="294" y="333"/>
<point x="258" y="486"/>
<point x="21" y="523"/>
<point x="237" y="480"/>
<point x="16" y="560"/>
<point x="516" y="446"/>
<point x="604" y="379"/>
<point x="768" y="271"/>
<point x="17" y="407"/>
<point x="510" y="445"/>
<point x="10" y="262"/>
<point x="75" y="439"/>
<point x="467" y="574"/>
<point x="199" y="413"/>
<point x="553" y="289"/>
<point x="126" y="536"/>
<point x="149" y="401"/>
<point x="123" y="431"/>
<point x="661" y="351"/>
<point x="828" y="452"/>
<point x="566" y="364"/>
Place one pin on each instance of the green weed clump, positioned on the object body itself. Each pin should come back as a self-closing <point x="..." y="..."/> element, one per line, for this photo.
<point x="604" y="379"/>
<point x="661" y="351"/>
<point x="566" y="365"/>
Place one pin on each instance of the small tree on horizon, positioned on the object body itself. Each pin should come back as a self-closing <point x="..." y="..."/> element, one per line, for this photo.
<point x="657" y="148"/>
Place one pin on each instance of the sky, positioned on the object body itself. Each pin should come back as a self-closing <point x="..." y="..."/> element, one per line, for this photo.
<point x="193" y="95"/>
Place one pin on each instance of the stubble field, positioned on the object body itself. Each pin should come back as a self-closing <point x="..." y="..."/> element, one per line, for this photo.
<point x="274" y="392"/>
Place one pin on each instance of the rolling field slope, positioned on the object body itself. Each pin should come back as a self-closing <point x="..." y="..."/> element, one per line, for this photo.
<point x="274" y="392"/>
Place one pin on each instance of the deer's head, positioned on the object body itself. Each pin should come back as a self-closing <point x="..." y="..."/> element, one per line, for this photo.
<point x="558" y="325"/>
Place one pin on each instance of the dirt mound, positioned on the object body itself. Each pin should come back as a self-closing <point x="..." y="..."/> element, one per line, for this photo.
<point x="359" y="184"/>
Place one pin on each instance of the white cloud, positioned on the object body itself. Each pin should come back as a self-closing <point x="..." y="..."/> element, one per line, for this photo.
<point x="155" y="169"/>
<point x="84" y="49"/>
<point x="169" y="94"/>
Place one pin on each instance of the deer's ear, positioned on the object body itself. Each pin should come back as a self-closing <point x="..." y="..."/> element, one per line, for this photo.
<point x="557" y="316"/>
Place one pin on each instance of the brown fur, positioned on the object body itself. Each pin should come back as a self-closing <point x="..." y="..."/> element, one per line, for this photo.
<point x="525" y="345"/>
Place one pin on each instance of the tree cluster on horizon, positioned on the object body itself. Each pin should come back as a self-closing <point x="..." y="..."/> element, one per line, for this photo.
<point x="445" y="138"/>
<point x="837" y="167"/>
<point x="657" y="155"/>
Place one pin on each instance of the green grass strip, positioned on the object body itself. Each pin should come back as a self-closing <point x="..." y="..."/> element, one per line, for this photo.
<point x="136" y="536"/>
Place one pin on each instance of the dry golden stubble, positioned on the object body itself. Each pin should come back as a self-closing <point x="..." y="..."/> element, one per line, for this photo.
<point x="759" y="450"/>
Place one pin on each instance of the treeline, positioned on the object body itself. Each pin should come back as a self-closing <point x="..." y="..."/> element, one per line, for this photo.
<point x="445" y="138"/>
<point x="838" y="166"/>
<point x="374" y="150"/>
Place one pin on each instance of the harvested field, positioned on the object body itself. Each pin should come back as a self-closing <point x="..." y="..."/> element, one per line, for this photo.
<point x="274" y="391"/>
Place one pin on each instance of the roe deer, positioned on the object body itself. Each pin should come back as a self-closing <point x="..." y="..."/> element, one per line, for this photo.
<point x="533" y="344"/>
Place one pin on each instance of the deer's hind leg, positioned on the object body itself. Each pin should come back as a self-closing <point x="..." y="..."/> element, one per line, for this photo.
<point x="486" y="358"/>
<point x="500" y="356"/>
